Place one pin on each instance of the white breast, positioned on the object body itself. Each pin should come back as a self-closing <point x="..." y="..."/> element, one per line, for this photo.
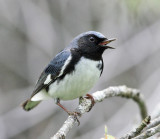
<point x="77" y="83"/>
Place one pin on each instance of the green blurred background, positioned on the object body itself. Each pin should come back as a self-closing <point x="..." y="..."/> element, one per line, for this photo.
<point x="33" y="31"/>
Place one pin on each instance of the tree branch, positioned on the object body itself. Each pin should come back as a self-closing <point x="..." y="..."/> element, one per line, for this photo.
<point x="125" y="92"/>
<point x="154" y="123"/>
<point x="99" y="96"/>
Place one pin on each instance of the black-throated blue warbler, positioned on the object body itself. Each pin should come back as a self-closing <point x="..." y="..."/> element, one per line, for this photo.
<point x="72" y="72"/>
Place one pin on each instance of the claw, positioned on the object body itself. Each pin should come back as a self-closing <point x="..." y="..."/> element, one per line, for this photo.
<point x="75" y="114"/>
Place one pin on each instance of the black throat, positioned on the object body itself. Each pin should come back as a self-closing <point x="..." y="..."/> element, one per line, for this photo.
<point x="90" y="50"/>
<point x="93" y="55"/>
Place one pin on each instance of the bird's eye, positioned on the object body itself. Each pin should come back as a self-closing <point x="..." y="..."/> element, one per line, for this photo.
<point x="91" y="39"/>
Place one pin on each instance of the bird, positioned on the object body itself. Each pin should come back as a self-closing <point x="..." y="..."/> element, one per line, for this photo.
<point x="72" y="72"/>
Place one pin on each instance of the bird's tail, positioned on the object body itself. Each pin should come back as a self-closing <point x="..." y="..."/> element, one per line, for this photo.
<point x="28" y="104"/>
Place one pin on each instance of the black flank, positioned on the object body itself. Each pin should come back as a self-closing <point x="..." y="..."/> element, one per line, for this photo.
<point x="76" y="55"/>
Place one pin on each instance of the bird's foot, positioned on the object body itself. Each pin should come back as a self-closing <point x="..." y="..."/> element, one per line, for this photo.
<point x="88" y="96"/>
<point x="80" y="100"/>
<point x="76" y="115"/>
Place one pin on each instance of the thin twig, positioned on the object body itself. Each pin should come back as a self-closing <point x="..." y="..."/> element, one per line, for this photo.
<point x="148" y="133"/>
<point x="138" y="130"/>
<point x="154" y="123"/>
<point x="99" y="96"/>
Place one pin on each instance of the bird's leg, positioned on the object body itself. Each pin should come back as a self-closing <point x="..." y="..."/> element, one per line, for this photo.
<point x="88" y="96"/>
<point x="69" y="112"/>
<point x="74" y="113"/>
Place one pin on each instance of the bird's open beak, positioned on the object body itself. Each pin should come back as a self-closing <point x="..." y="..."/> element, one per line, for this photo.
<point x="105" y="42"/>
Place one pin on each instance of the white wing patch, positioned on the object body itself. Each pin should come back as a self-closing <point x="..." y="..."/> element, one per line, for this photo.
<point x="65" y="65"/>
<point x="48" y="79"/>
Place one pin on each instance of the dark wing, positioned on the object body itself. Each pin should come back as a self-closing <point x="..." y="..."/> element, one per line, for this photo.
<point x="54" y="68"/>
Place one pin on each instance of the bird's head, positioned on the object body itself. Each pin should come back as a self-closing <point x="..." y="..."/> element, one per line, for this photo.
<point x="92" y="43"/>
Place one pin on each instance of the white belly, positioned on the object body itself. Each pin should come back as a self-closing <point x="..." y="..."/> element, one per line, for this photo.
<point x="76" y="84"/>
